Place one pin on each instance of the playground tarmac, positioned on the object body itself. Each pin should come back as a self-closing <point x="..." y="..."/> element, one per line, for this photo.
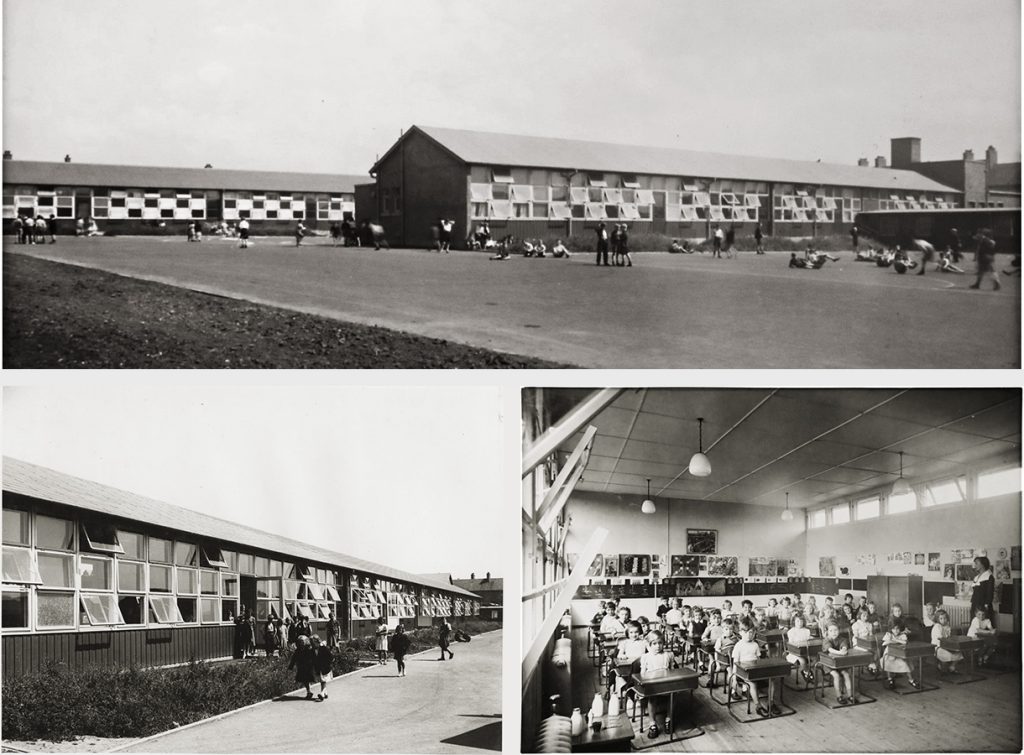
<point x="668" y="311"/>
<point x="439" y="707"/>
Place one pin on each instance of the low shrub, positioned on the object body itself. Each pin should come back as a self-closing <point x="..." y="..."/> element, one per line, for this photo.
<point x="59" y="703"/>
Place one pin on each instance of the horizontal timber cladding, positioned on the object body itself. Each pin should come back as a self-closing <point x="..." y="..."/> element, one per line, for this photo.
<point x="26" y="653"/>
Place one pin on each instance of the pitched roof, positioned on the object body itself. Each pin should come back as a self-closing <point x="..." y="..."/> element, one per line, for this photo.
<point x="483" y="148"/>
<point x="487" y="585"/>
<point x="150" y="177"/>
<point x="1004" y="175"/>
<point x="34" y="481"/>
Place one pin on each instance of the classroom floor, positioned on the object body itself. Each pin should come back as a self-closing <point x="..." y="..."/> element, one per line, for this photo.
<point x="980" y="717"/>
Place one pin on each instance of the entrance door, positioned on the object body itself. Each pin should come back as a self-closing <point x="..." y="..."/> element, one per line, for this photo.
<point x="247" y="593"/>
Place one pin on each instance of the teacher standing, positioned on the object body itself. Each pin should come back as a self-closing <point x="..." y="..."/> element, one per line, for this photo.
<point x="983" y="594"/>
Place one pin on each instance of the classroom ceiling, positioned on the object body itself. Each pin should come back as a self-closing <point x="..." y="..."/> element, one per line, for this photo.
<point x="817" y="444"/>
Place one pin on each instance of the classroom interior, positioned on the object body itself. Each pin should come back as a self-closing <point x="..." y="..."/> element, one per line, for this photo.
<point x="888" y="494"/>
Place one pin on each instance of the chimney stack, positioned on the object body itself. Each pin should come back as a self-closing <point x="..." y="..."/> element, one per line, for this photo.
<point x="879" y="162"/>
<point x="472" y="575"/>
<point x="991" y="157"/>
<point x="67" y="158"/>
<point x="863" y="162"/>
<point x="8" y="155"/>
<point x="906" y="151"/>
<point x="488" y="576"/>
<point x="968" y="154"/>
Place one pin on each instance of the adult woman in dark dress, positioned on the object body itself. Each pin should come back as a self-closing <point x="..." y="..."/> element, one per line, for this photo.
<point x="984" y="591"/>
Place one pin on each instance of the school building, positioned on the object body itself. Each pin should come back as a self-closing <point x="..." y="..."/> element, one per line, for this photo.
<point x="491" y="591"/>
<point x="96" y="575"/>
<point x="984" y="183"/>
<point x="531" y="186"/>
<point x="706" y="495"/>
<point x="135" y="199"/>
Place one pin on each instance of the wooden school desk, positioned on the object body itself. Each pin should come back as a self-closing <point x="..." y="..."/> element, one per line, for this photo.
<point x="809" y="651"/>
<point x="615" y="735"/>
<point x="774" y="640"/>
<point x="910" y="652"/>
<point x="666" y="682"/>
<point x="969" y="646"/>
<point x="772" y="670"/>
<point x="854" y="660"/>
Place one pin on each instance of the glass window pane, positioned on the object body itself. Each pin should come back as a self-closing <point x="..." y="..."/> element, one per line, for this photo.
<point x="210" y="608"/>
<point x="950" y="491"/>
<point x="134" y="544"/>
<point x="19" y="567"/>
<point x="57" y="570"/>
<point x="291" y="590"/>
<point x="185" y="554"/>
<point x="275" y="568"/>
<point x="159" y="578"/>
<point x="102" y="537"/>
<point x="131" y="609"/>
<point x="246" y="563"/>
<point x="55" y="534"/>
<point x="212" y="556"/>
<point x="209" y="583"/>
<point x="100" y="610"/>
<point x="901" y="503"/>
<point x="163" y="610"/>
<point x="228" y="610"/>
<point x="229" y="584"/>
<point x="160" y="550"/>
<point x="131" y="576"/>
<point x="15" y="527"/>
<point x="262" y="566"/>
<point x="868" y="508"/>
<point x="315" y="591"/>
<point x="96" y="573"/>
<point x="187" y="582"/>
<point x="187" y="609"/>
<point x="15" y="610"/>
<point x="1001" y="482"/>
<point x="55" y="609"/>
<point x="816" y="518"/>
<point x="841" y="514"/>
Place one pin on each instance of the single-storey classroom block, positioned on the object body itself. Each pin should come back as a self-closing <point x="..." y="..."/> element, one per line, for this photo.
<point x="96" y="575"/>
<point x="135" y="199"/>
<point x="704" y="496"/>
<point x="531" y="186"/>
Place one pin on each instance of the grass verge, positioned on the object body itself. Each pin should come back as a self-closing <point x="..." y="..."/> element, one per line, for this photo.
<point x="59" y="315"/>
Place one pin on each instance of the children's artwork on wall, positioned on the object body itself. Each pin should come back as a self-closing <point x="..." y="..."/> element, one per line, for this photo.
<point x="949" y="571"/>
<point x="702" y="565"/>
<point x="634" y="565"/>
<point x="908" y="558"/>
<point x="794" y="569"/>
<point x="596" y="567"/>
<point x="611" y="566"/>
<point x="964" y="590"/>
<point x="1001" y="570"/>
<point x="961" y="555"/>
<point x="758" y="566"/>
<point x="700" y="587"/>
<point x="702" y="541"/>
<point x="918" y="559"/>
<point x="894" y="557"/>
<point x="866" y="559"/>
<point x="781" y="567"/>
<point x="934" y="562"/>
<point x="826" y="566"/>
<point x="1015" y="557"/>
<point x="723" y="566"/>
<point x="966" y="572"/>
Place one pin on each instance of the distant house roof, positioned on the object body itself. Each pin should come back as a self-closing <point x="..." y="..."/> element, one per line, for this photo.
<point x="443" y="578"/>
<point x="149" y="177"/>
<point x="1004" y="176"/>
<point x="488" y="585"/>
<point x="483" y="148"/>
<point x="34" y="481"/>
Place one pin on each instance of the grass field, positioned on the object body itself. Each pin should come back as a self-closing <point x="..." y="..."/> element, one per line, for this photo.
<point x="668" y="311"/>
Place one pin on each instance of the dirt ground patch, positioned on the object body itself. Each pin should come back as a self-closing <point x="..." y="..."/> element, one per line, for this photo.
<point x="65" y="316"/>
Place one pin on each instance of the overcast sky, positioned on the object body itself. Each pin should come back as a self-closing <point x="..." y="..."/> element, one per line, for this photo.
<point x="325" y="86"/>
<point x="403" y="476"/>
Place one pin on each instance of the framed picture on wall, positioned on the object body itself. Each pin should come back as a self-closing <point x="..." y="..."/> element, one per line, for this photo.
<point x="634" y="565"/>
<point x="702" y="541"/>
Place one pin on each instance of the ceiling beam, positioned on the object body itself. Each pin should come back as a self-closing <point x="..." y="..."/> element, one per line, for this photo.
<point x="566" y="427"/>
<point x="629" y="431"/>
<point x="565" y="482"/>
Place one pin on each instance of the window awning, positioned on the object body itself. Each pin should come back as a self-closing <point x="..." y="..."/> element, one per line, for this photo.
<point x="702" y="199"/>
<point x="479" y="192"/>
<point x="630" y="182"/>
<point x="315" y="591"/>
<point x="522" y="193"/>
<point x="644" y="196"/>
<point x="801" y="193"/>
<point x="611" y="196"/>
<point x="332" y="593"/>
<point x="499" y="209"/>
<point x="595" y="211"/>
<point x="212" y="556"/>
<point x="597" y="182"/>
<point x="691" y="187"/>
<point x="559" y="210"/>
<point x="102" y="609"/>
<point x="20" y="567"/>
<point x="629" y="212"/>
<point x="751" y="200"/>
<point x="101" y="537"/>
<point x="502" y="176"/>
<point x="728" y="198"/>
<point x="579" y="195"/>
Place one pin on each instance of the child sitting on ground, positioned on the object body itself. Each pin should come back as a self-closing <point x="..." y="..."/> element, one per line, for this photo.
<point x="836" y="645"/>
<point x="941" y="629"/>
<point x="897" y="634"/>
<point x="798" y="634"/>
<point x="656" y="659"/>
<point x="981" y="629"/>
<point x="747" y="650"/>
<point x="560" y="250"/>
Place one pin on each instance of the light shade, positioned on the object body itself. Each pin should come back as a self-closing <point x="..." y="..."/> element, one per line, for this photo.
<point x="901" y="487"/>
<point x="787" y="515"/>
<point x="699" y="465"/>
<point x="647" y="506"/>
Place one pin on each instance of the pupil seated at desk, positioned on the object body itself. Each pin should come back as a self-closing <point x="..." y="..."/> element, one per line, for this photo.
<point x="727" y="612"/>
<point x="760" y="620"/>
<point x="645" y="625"/>
<point x="862" y="629"/>
<point x="746" y="610"/>
<point x="601" y="612"/>
<point x="941" y="629"/>
<point x="835" y="644"/>
<point x="674" y="616"/>
<point x="896" y="614"/>
<point x="663" y="609"/>
<point x="929" y="615"/>
<point x="785" y="612"/>
<point x="697" y="626"/>
<point x="981" y="629"/>
<point x="799" y="633"/>
<point x="897" y="634"/>
<point x="747" y="650"/>
<point x="627" y="653"/>
<point x="615" y="624"/>
<point x="723" y="648"/>
<point x="656" y="659"/>
<point x="873" y="617"/>
<point x="772" y="611"/>
<point x="709" y="637"/>
<point x="845" y="618"/>
<point x="848" y="601"/>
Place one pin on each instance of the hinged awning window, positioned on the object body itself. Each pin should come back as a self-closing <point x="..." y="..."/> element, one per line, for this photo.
<point x="20" y="567"/>
<point x="644" y="196"/>
<point x="629" y="212"/>
<point x="559" y="210"/>
<point x="499" y="209"/>
<point x="212" y="556"/>
<point x="595" y="211"/>
<point x="611" y="196"/>
<point x="480" y="192"/>
<point x="630" y="181"/>
<point x="522" y="193"/>
<point x="751" y="200"/>
<point x="502" y="175"/>
<point x="101" y="537"/>
<point x="102" y="609"/>
<point x="332" y="593"/>
<point x="728" y="198"/>
<point x="164" y="609"/>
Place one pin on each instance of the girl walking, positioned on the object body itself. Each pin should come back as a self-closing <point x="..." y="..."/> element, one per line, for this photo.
<point x="382" y="641"/>
<point x="399" y="647"/>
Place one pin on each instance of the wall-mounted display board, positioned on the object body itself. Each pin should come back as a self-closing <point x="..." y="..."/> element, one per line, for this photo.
<point x="702" y="541"/>
<point x="687" y="587"/>
<point x="823" y="586"/>
<point x="685" y="566"/>
<point x="767" y="588"/>
<point x="634" y="565"/>
<point x="607" y="592"/>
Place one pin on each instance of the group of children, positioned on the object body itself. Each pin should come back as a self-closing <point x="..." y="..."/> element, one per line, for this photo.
<point x="712" y="641"/>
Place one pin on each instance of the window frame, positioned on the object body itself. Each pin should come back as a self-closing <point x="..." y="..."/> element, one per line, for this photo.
<point x="992" y="473"/>
<point x="876" y="499"/>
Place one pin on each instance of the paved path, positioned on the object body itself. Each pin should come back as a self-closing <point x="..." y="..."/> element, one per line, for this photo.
<point x="669" y="311"/>
<point x="449" y="707"/>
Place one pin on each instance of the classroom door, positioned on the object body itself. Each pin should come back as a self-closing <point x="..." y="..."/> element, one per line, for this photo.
<point x="247" y="593"/>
